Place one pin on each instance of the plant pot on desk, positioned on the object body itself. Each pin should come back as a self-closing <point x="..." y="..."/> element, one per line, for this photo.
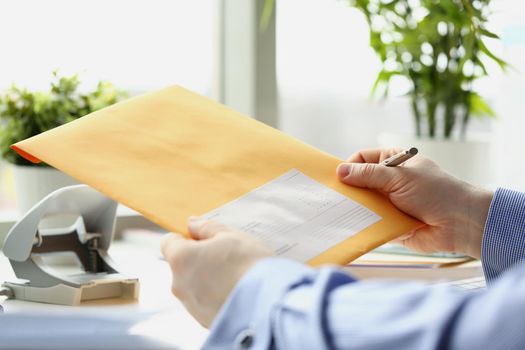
<point x="469" y="160"/>
<point x="32" y="183"/>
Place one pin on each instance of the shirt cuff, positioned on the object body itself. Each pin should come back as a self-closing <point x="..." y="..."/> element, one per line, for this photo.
<point x="503" y="243"/>
<point x="244" y="320"/>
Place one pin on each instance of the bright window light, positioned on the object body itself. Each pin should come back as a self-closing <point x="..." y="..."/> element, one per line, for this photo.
<point x="324" y="45"/>
<point x="138" y="45"/>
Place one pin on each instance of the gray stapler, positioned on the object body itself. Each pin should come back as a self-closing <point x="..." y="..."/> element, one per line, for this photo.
<point x="27" y="245"/>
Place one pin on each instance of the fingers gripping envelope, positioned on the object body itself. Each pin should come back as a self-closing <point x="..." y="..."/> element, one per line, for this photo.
<point x="173" y="153"/>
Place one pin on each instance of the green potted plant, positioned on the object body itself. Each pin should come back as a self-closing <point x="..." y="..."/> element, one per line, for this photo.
<point x="24" y="113"/>
<point x="439" y="48"/>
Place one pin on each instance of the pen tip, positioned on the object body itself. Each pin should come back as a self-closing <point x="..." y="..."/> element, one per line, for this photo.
<point x="413" y="151"/>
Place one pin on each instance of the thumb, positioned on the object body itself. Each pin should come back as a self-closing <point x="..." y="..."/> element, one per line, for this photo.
<point x="369" y="175"/>
<point x="204" y="229"/>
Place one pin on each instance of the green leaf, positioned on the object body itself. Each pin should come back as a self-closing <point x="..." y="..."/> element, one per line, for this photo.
<point x="478" y="106"/>
<point x="383" y="79"/>
<point x="480" y="64"/>
<point x="26" y="113"/>
<point x="486" y="33"/>
<point x="266" y="16"/>
<point x="503" y="65"/>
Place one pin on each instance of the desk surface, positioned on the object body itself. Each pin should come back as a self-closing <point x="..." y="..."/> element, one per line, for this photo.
<point x="138" y="255"/>
<point x="172" y="323"/>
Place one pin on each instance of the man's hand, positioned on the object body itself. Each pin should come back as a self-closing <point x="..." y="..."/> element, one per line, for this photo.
<point x="205" y="270"/>
<point x="455" y="211"/>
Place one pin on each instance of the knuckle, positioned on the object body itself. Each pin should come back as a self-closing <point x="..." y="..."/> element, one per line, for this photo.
<point x="179" y="256"/>
<point x="216" y="228"/>
<point x="177" y="291"/>
<point x="208" y="227"/>
<point x="368" y="170"/>
<point x="354" y="157"/>
<point x="182" y="256"/>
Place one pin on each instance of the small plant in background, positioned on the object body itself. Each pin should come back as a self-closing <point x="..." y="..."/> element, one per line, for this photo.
<point x="439" y="47"/>
<point x="24" y="113"/>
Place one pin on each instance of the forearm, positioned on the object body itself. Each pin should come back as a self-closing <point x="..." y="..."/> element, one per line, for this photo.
<point x="473" y="219"/>
<point x="247" y="315"/>
<point x="278" y="304"/>
<point x="283" y="305"/>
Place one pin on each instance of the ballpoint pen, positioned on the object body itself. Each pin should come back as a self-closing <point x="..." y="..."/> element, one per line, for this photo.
<point x="400" y="157"/>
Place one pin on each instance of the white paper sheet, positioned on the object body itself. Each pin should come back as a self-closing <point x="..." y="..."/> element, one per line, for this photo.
<point x="296" y="216"/>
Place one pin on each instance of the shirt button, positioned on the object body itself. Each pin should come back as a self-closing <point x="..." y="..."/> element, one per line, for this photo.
<point x="244" y="340"/>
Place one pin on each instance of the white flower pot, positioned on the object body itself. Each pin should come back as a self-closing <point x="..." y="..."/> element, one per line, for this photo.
<point x="32" y="183"/>
<point x="469" y="160"/>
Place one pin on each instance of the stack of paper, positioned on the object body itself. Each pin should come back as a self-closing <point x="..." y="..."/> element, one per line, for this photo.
<point x="374" y="259"/>
<point x="396" y="255"/>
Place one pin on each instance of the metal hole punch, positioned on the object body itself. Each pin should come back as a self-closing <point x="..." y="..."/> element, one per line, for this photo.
<point x="89" y="238"/>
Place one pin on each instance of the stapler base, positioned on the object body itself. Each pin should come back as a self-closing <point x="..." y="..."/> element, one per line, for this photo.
<point x="63" y="294"/>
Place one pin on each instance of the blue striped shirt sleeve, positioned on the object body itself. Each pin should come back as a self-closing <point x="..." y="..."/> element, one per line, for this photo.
<point x="503" y="243"/>
<point x="280" y="304"/>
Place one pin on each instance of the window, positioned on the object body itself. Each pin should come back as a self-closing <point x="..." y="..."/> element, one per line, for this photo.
<point x="326" y="69"/>
<point x="136" y="44"/>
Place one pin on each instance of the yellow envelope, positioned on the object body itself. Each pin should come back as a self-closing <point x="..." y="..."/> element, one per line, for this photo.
<point x="173" y="153"/>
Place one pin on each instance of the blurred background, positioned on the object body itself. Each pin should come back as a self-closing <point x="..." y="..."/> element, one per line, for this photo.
<point x="304" y="66"/>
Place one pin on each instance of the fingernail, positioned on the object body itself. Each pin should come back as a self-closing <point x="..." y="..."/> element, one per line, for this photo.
<point x="343" y="170"/>
<point x="194" y="222"/>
